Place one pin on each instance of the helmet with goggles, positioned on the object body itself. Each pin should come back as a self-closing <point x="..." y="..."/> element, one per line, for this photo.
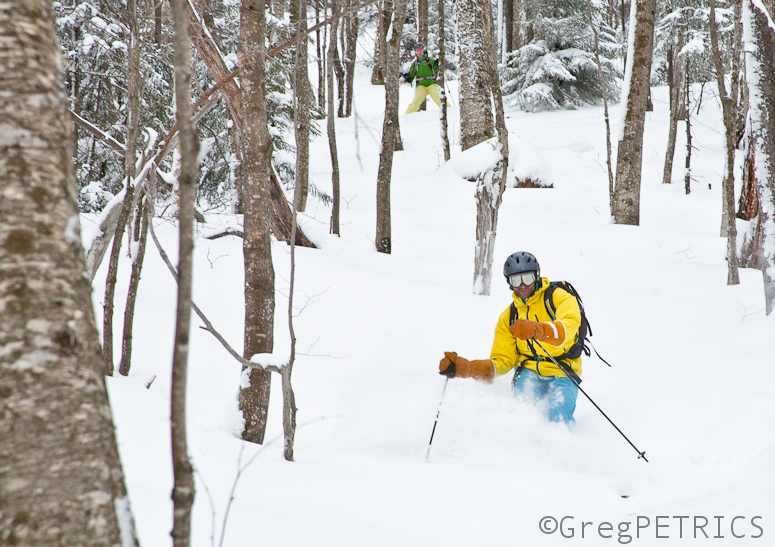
<point x="521" y="267"/>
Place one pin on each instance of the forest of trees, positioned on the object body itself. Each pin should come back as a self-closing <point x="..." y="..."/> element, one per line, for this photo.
<point x="149" y="110"/>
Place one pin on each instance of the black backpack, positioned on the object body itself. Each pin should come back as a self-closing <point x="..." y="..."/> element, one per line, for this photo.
<point x="582" y="344"/>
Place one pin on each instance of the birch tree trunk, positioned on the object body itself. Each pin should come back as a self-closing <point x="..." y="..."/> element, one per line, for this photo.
<point x="303" y="92"/>
<point x="476" y="121"/>
<point x="729" y="109"/>
<point x="760" y="79"/>
<point x="390" y="62"/>
<point x="259" y="272"/>
<point x="626" y="205"/>
<point x="61" y="481"/>
<point x="490" y="185"/>
<point x="183" y="491"/>
<point x="331" y="122"/>
<point x="675" y="74"/>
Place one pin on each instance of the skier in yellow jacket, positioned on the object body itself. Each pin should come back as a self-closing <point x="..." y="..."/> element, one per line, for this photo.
<point x="526" y="331"/>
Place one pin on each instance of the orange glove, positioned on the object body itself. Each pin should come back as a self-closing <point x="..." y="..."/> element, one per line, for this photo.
<point x="552" y="332"/>
<point x="454" y="366"/>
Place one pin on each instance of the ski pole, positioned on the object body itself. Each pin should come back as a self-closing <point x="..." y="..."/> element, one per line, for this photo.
<point x="428" y="452"/>
<point x="640" y="454"/>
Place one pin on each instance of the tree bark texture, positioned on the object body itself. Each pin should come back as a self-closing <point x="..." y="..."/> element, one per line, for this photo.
<point x="729" y="109"/>
<point x="675" y="73"/>
<point x="442" y="84"/>
<point x="351" y="23"/>
<point x="384" y="17"/>
<point x="183" y="491"/>
<point x="303" y="91"/>
<point x="476" y="121"/>
<point x="626" y="205"/>
<point x="320" y="48"/>
<point x="134" y="91"/>
<point x="133" y="95"/>
<point x="140" y="235"/>
<point x="390" y="62"/>
<point x="339" y="69"/>
<point x="259" y="272"/>
<point x="508" y="24"/>
<point x="522" y="31"/>
<point x="688" y="157"/>
<point x="490" y="185"/>
<point x="61" y="481"/>
<point x="331" y="123"/>
<point x="760" y="78"/>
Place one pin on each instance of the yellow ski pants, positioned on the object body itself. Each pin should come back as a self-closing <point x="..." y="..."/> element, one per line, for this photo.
<point x="419" y="96"/>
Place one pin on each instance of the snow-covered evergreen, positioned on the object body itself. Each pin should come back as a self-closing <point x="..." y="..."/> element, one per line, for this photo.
<point x="557" y="69"/>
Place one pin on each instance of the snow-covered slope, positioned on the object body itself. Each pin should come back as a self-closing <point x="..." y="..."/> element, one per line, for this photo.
<point x="691" y="382"/>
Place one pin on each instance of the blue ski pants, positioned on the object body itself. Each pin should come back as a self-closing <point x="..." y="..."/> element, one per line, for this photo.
<point x="560" y="393"/>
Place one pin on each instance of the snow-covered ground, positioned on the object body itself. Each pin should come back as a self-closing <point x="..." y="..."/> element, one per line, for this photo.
<point x="691" y="382"/>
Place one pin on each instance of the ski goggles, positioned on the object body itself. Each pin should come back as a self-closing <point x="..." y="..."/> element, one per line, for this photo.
<point x="528" y="278"/>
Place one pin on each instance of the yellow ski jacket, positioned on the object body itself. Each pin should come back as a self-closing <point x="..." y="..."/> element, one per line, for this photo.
<point x="509" y="352"/>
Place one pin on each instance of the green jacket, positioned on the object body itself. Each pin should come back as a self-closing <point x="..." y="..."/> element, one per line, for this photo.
<point x="424" y="70"/>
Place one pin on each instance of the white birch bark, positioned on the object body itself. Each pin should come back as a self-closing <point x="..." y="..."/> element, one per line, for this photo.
<point x="61" y="481"/>
<point x="759" y="39"/>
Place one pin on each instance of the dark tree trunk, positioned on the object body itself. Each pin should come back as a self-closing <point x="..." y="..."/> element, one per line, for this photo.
<point x="142" y="218"/>
<point x="626" y="205"/>
<point x="384" y="18"/>
<point x="351" y="43"/>
<point x="675" y="79"/>
<point x="688" y="157"/>
<point x="303" y="92"/>
<point x="508" y="24"/>
<point x="157" y="20"/>
<point x="320" y="49"/>
<point x="339" y="73"/>
<point x="330" y="122"/>
<point x="259" y="272"/>
<point x="61" y="481"/>
<point x="390" y="60"/>
<point x="133" y="93"/>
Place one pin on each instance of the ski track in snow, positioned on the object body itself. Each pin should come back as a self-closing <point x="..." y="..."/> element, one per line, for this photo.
<point x="691" y="381"/>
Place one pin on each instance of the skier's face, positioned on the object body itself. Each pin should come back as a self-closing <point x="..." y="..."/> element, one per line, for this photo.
<point x="419" y="52"/>
<point x="524" y="291"/>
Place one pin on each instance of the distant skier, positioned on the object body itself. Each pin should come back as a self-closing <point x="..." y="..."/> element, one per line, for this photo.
<point x="525" y="331"/>
<point x="425" y="71"/>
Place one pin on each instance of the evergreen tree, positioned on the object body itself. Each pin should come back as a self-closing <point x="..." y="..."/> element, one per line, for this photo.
<point x="557" y="69"/>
